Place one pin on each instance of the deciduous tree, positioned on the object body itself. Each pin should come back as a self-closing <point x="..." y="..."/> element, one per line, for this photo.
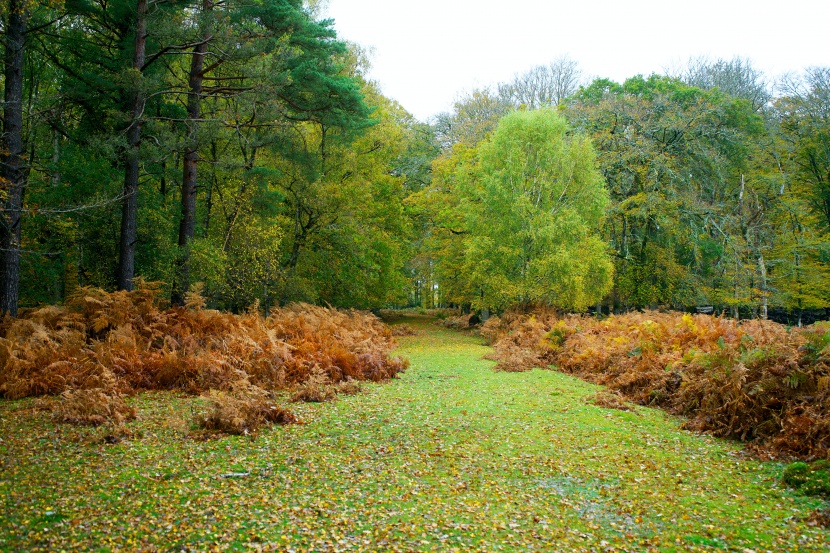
<point x="533" y="200"/>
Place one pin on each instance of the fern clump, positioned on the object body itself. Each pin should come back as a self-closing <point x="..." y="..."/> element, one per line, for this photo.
<point x="92" y="407"/>
<point x="123" y="342"/>
<point x="242" y="409"/>
<point x="751" y="380"/>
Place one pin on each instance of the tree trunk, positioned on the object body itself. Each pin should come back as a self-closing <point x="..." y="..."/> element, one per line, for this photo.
<point x="129" y="209"/>
<point x="762" y="269"/>
<point x="13" y="171"/>
<point x="56" y="158"/>
<point x="211" y="184"/>
<point x="187" y="225"/>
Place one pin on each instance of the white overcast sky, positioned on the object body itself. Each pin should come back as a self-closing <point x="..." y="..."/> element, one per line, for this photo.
<point x="427" y="52"/>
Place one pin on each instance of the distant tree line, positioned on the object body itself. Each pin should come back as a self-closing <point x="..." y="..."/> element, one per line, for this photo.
<point x="718" y="183"/>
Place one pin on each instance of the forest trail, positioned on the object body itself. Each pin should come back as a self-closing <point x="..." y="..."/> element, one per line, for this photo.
<point x="451" y="456"/>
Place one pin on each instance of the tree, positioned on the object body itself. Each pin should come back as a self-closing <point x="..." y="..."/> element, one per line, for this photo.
<point x="474" y="116"/>
<point x="799" y="267"/>
<point x="291" y="69"/>
<point x="544" y="85"/>
<point x="735" y="77"/>
<point x="342" y="211"/>
<point x="805" y="123"/>
<point x="13" y="169"/>
<point x="196" y="75"/>
<point x="673" y="157"/>
<point x="533" y="200"/>
<point x="110" y="80"/>
<point x="129" y="207"/>
<point x="292" y="186"/>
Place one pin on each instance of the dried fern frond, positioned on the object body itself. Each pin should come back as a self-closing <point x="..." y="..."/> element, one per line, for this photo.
<point x="610" y="400"/>
<point x="193" y="299"/>
<point x="317" y="388"/>
<point x="123" y="342"/>
<point x="92" y="407"/>
<point x="733" y="379"/>
<point x="242" y="410"/>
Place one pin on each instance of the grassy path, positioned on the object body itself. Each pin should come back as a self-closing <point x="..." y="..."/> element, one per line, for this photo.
<point x="450" y="457"/>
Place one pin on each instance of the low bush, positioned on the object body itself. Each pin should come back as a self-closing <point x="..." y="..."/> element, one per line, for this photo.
<point x="242" y="409"/>
<point x="92" y="407"/>
<point x="316" y="389"/>
<point x="123" y="342"/>
<point x="610" y="400"/>
<point x="457" y="321"/>
<point x="750" y="380"/>
<point x="403" y="329"/>
<point x="808" y="478"/>
<point x="348" y="387"/>
<point x="819" y="517"/>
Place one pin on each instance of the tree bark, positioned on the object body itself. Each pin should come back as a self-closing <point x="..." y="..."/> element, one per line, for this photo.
<point x="13" y="170"/>
<point x="187" y="225"/>
<point x="762" y="270"/>
<point x="56" y="158"/>
<point x="129" y="208"/>
<point x="211" y="184"/>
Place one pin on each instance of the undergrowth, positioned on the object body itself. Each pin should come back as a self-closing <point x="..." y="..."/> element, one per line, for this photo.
<point x="809" y="478"/>
<point x="752" y="380"/>
<point x="100" y="346"/>
<point x="242" y="409"/>
<point x="450" y="319"/>
<point x="91" y="407"/>
<point x="403" y="329"/>
<point x="610" y="400"/>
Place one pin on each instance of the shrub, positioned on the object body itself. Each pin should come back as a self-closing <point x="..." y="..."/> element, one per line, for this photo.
<point x="819" y="517"/>
<point x="92" y="407"/>
<point x="242" y="409"/>
<point x="610" y="400"/>
<point x="750" y="380"/>
<point x="348" y="387"/>
<point x="455" y="321"/>
<point x="403" y="329"/>
<point x="316" y="389"/>
<point x="126" y="342"/>
<point x="809" y="479"/>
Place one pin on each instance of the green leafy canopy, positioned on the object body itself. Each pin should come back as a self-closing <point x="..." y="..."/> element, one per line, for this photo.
<point x="534" y="200"/>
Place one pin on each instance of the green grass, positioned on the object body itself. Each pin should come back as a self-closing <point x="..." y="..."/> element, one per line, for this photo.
<point x="451" y="456"/>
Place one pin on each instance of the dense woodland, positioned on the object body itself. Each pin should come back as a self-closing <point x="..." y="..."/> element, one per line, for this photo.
<point x="240" y="145"/>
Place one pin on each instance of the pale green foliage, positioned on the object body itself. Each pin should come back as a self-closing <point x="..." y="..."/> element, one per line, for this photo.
<point x="208" y="263"/>
<point x="253" y="265"/>
<point x="799" y="274"/>
<point x="344" y="227"/>
<point x="534" y="200"/>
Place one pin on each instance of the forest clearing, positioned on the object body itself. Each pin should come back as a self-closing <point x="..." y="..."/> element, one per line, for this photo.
<point x="449" y="456"/>
<point x="250" y="301"/>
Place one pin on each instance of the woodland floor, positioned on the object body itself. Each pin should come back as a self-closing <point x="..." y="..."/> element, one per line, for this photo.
<point x="451" y="456"/>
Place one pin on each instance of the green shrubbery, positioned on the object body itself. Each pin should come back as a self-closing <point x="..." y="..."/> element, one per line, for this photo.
<point x="808" y="478"/>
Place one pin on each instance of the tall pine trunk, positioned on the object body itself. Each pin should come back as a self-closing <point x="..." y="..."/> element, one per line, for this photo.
<point x="13" y="170"/>
<point x="129" y="209"/>
<point x="187" y="225"/>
